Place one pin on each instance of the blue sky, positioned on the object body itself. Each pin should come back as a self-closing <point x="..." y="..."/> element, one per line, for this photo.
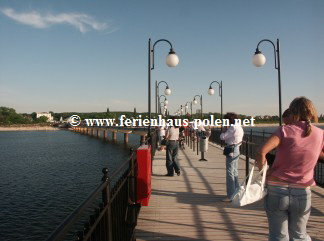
<point x="86" y="56"/>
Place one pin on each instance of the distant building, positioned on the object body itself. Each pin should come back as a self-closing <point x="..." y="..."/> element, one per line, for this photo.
<point x="49" y="116"/>
<point x="198" y="111"/>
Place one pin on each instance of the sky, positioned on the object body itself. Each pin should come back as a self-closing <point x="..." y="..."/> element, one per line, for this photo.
<point x="87" y="56"/>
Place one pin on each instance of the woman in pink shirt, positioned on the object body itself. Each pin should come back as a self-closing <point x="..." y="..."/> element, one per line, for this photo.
<point x="299" y="146"/>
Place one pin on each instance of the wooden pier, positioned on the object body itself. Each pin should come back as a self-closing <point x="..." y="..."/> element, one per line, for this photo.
<point x="189" y="207"/>
<point x="96" y="131"/>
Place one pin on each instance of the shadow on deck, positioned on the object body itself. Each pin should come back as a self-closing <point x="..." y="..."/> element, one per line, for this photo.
<point x="189" y="207"/>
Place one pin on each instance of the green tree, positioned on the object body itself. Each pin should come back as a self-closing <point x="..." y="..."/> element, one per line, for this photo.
<point x="33" y="115"/>
<point x="9" y="116"/>
<point x="42" y="119"/>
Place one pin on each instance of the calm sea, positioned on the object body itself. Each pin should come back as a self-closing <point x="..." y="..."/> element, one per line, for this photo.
<point x="44" y="176"/>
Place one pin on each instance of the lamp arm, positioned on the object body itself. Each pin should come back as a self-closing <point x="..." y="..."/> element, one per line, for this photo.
<point x="163" y="96"/>
<point x="195" y="96"/>
<point x="152" y="50"/>
<point x="163" y="82"/>
<point x="276" y="51"/>
<point x="219" y="87"/>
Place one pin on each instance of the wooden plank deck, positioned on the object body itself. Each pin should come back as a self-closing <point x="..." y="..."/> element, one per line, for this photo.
<point x="189" y="207"/>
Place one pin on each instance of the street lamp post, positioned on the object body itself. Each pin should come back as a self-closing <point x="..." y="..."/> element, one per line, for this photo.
<point x="182" y="108"/>
<point x="211" y="91"/>
<point x="201" y="106"/>
<point x="165" y="107"/>
<point x="259" y="60"/>
<point x="162" y="105"/>
<point x="172" y="60"/>
<point x="167" y="91"/>
<point x="165" y="102"/>
<point x="186" y="105"/>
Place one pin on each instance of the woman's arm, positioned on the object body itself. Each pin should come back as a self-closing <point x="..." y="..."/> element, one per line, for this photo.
<point x="227" y="133"/>
<point x="270" y="144"/>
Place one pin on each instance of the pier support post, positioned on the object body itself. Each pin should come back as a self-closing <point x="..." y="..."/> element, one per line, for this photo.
<point x="98" y="133"/>
<point x="114" y="136"/>
<point x="125" y="138"/>
<point x="105" y="135"/>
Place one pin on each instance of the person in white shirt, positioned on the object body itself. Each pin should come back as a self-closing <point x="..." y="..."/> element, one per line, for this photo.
<point x="232" y="136"/>
<point x="172" y="148"/>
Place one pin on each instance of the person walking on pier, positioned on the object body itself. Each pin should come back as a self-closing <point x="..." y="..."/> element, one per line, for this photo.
<point x="172" y="148"/>
<point x="232" y="136"/>
<point x="299" y="146"/>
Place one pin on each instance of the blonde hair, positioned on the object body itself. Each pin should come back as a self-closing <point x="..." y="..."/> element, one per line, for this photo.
<point x="302" y="109"/>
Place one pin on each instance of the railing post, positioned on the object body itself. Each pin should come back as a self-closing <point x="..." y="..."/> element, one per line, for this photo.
<point x="251" y="140"/>
<point x="106" y="201"/>
<point x="193" y="143"/>
<point x="142" y="140"/>
<point x="197" y="144"/>
<point x="247" y="158"/>
<point x="132" y="187"/>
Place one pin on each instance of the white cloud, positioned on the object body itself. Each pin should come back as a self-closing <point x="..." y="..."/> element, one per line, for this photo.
<point x="82" y="22"/>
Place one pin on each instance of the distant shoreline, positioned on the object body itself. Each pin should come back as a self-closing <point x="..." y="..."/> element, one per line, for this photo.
<point x="29" y="128"/>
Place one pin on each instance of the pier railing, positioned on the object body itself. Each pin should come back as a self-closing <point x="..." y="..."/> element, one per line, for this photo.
<point x="253" y="140"/>
<point x="152" y="140"/>
<point x="109" y="213"/>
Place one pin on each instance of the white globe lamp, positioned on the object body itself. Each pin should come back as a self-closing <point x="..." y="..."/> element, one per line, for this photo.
<point x="211" y="91"/>
<point x="172" y="59"/>
<point x="167" y="91"/>
<point x="259" y="59"/>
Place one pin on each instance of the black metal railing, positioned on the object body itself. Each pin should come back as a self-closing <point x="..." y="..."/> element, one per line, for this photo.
<point x="112" y="206"/>
<point x="253" y="140"/>
<point x="319" y="173"/>
<point x="152" y="140"/>
<point x="192" y="139"/>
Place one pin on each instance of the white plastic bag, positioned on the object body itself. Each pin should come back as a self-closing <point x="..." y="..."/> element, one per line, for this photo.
<point x="251" y="192"/>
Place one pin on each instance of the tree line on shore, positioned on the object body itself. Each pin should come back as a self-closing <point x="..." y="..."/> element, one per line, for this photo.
<point x="9" y="116"/>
